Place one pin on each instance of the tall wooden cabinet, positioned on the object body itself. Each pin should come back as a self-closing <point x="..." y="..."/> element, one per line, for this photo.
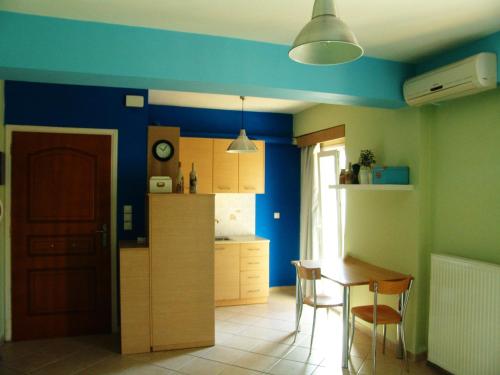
<point x="181" y="235"/>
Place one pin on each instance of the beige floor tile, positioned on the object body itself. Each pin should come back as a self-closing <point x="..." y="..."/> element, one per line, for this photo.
<point x="123" y="365"/>
<point x="229" y="327"/>
<point x="285" y="367"/>
<point x="243" y="319"/>
<point x="273" y="349"/>
<point x="254" y="361"/>
<point x="31" y="362"/>
<point x="241" y="342"/>
<point x="7" y="371"/>
<point x="282" y="325"/>
<point x="172" y="360"/>
<point x="300" y="354"/>
<point x="221" y="314"/>
<point x="232" y="370"/>
<point x="223" y="354"/>
<point x="200" y="366"/>
<point x="386" y="368"/>
<point x="75" y="362"/>
<point x="332" y="371"/>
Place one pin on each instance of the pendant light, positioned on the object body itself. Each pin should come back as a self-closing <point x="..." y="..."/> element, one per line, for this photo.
<point x="325" y="40"/>
<point x="242" y="143"/>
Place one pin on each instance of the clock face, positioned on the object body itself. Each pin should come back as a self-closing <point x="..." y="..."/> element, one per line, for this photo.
<point x="163" y="150"/>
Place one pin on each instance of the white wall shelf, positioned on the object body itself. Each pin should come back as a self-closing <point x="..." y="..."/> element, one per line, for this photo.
<point x="374" y="187"/>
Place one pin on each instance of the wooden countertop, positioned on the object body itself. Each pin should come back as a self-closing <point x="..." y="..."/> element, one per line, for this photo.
<point x="242" y="239"/>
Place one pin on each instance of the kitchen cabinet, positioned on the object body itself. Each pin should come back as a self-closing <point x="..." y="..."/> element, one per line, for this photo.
<point x="227" y="273"/>
<point x="241" y="272"/>
<point x="134" y="298"/>
<point x="222" y="172"/>
<point x="251" y="172"/>
<point x="225" y="168"/>
<point x="181" y="236"/>
<point x="198" y="151"/>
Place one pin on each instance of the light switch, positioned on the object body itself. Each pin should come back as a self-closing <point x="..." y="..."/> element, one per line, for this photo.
<point x="127" y="209"/>
<point x="277" y="215"/>
<point x="127" y="225"/>
<point x="127" y="217"/>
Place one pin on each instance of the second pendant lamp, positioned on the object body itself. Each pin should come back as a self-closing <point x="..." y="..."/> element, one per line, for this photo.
<point x="242" y="143"/>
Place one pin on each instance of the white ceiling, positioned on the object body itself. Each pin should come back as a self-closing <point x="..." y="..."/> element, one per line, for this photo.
<point x="401" y="30"/>
<point x="230" y="102"/>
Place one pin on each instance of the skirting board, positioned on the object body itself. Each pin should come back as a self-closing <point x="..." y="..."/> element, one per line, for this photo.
<point x="236" y="302"/>
<point x="191" y="345"/>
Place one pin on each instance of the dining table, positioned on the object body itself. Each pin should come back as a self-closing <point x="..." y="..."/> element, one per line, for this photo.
<point x="348" y="272"/>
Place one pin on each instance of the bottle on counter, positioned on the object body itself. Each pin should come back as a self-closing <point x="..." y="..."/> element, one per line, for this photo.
<point x="193" y="180"/>
<point x="342" y="177"/>
<point x="179" y="186"/>
<point x="348" y="175"/>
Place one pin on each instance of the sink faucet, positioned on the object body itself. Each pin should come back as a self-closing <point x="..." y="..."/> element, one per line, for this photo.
<point x="217" y="221"/>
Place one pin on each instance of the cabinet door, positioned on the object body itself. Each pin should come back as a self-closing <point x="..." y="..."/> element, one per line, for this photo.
<point x="252" y="170"/>
<point x="225" y="176"/>
<point x="200" y="152"/>
<point x="227" y="272"/>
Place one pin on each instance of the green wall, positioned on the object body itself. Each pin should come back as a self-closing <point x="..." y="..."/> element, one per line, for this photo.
<point x="466" y="177"/>
<point x="2" y="231"/>
<point x="382" y="227"/>
<point x="452" y="150"/>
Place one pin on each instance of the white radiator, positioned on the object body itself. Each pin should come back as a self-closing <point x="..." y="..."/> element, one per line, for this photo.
<point x="464" y="316"/>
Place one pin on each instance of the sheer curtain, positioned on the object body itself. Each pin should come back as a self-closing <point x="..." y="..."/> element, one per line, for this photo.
<point x="310" y="205"/>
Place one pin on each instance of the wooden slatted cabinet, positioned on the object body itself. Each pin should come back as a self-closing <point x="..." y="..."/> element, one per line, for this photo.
<point x="225" y="168"/>
<point x="252" y="170"/>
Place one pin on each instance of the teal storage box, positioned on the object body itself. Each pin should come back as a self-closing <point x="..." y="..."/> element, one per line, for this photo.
<point x="391" y="175"/>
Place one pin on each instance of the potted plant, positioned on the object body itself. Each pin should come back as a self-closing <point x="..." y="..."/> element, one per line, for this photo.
<point x="366" y="160"/>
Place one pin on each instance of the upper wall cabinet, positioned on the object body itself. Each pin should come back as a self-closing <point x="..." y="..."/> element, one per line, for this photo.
<point x="225" y="168"/>
<point x="222" y="172"/>
<point x="252" y="170"/>
<point x="198" y="151"/>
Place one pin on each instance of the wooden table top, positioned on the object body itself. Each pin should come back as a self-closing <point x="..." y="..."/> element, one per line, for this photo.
<point x="352" y="271"/>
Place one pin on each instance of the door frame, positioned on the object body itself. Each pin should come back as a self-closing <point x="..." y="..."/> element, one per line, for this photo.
<point x="9" y="129"/>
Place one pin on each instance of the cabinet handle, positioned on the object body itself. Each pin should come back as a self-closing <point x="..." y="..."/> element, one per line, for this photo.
<point x="254" y="291"/>
<point x="254" y="277"/>
<point x="253" y="263"/>
<point x="254" y="249"/>
<point x="223" y="187"/>
<point x="248" y="187"/>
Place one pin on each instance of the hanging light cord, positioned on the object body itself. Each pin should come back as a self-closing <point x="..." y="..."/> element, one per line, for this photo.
<point x="242" y="101"/>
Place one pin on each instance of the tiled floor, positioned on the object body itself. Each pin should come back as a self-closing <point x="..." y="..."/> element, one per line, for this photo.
<point x="249" y="340"/>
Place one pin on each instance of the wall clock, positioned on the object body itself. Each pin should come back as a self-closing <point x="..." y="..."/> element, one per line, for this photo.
<point x="163" y="150"/>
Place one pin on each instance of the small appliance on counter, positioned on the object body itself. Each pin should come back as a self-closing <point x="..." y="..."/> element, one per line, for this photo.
<point x="391" y="175"/>
<point x="160" y="184"/>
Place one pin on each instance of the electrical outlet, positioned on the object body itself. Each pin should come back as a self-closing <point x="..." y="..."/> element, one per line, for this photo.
<point x="127" y="209"/>
<point x="277" y="215"/>
<point x="127" y="225"/>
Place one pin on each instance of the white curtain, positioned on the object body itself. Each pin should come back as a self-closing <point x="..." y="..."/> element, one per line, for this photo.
<point x="310" y="205"/>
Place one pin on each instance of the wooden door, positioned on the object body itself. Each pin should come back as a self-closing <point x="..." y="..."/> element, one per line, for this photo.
<point x="227" y="272"/>
<point x="60" y="259"/>
<point x="200" y="152"/>
<point x="252" y="170"/>
<point x="225" y="168"/>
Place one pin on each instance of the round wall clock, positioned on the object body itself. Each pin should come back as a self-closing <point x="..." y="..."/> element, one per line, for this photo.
<point x="163" y="150"/>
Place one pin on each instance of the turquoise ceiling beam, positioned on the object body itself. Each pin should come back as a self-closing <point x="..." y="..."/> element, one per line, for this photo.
<point x="45" y="49"/>
<point x="491" y="43"/>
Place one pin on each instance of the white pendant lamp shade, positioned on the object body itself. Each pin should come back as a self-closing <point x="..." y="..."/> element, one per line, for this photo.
<point x="242" y="144"/>
<point x="325" y="40"/>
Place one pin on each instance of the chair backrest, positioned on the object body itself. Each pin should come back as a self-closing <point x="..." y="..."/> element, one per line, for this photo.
<point x="391" y="287"/>
<point x="308" y="273"/>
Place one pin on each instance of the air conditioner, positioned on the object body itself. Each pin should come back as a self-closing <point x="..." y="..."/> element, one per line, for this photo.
<point x="466" y="77"/>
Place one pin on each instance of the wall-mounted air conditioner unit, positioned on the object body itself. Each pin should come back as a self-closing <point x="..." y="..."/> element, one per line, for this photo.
<point x="466" y="77"/>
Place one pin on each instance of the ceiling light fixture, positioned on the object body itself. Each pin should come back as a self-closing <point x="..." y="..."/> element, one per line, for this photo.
<point x="242" y="144"/>
<point x="326" y="39"/>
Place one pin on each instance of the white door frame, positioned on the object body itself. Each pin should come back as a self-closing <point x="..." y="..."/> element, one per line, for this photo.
<point x="9" y="129"/>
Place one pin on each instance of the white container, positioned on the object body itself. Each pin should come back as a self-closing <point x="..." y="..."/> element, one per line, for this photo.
<point x="160" y="184"/>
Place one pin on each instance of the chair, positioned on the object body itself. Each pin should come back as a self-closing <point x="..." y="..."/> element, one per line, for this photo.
<point x="383" y="314"/>
<point x="317" y="301"/>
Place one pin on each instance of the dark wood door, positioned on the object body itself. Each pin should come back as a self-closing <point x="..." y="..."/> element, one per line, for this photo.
<point x="60" y="256"/>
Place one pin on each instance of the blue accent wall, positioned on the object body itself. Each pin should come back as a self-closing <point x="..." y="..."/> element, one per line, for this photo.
<point x="101" y="107"/>
<point x="53" y="50"/>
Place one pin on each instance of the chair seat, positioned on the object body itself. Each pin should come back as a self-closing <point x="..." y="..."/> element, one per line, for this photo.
<point x="385" y="314"/>
<point x="323" y="300"/>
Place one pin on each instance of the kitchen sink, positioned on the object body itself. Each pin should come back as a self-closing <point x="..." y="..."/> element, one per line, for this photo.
<point x="222" y="238"/>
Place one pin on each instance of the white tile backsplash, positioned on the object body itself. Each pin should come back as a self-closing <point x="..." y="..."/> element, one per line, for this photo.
<point x="234" y="214"/>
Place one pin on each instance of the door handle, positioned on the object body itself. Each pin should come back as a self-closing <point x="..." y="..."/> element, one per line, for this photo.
<point x="104" y="235"/>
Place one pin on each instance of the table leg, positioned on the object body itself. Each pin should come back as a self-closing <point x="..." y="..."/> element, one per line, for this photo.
<point x="345" y="328"/>
<point x="296" y="302"/>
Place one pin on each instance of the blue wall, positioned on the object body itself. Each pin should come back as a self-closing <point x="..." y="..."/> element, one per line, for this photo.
<point x="99" y="107"/>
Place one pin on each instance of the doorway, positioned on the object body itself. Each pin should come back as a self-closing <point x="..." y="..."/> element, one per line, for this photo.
<point x="62" y="212"/>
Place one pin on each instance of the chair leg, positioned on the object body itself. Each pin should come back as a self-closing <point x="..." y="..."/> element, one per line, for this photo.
<point x="405" y="354"/>
<point x="312" y="333"/>
<point x="297" y="322"/>
<point x="374" y="348"/>
<point x="385" y="333"/>
<point x="352" y="334"/>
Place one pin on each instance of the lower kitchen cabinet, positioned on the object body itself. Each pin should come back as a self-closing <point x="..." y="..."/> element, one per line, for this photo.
<point x="241" y="273"/>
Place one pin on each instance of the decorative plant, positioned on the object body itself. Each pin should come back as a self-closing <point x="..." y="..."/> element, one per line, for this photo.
<point x="366" y="158"/>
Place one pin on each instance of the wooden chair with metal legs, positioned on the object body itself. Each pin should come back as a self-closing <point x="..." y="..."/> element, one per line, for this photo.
<point x="316" y="301"/>
<point x="383" y="314"/>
